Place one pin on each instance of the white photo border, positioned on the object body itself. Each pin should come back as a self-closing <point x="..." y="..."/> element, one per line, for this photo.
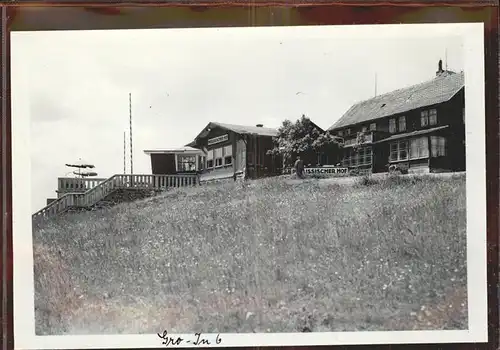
<point x="473" y="43"/>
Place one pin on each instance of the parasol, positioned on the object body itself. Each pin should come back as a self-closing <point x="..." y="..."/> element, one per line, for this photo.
<point x="85" y="173"/>
<point x="80" y="164"/>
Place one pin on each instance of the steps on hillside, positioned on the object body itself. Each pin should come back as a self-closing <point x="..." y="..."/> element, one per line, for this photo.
<point x="130" y="195"/>
<point x="124" y="196"/>
<point x="117" y="189"/>
<point x="116" y="197"/>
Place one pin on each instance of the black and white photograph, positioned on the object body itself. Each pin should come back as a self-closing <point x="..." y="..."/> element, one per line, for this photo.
<point x="252" y="186"/>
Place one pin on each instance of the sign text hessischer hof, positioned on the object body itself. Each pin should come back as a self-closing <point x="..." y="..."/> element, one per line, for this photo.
<point x="327" y="171"/>
<point x="218" y="139"/>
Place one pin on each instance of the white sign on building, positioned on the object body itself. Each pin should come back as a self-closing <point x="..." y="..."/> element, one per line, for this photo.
<point x="328" y="171"/>
<point x="218" y="139"/>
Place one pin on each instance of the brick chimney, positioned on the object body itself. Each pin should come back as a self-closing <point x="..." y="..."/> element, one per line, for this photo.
<point x="440" y="70"/>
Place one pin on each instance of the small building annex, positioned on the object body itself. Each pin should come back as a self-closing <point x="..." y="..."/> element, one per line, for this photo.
<point x="173" y="161"/>
<point x="420" y="128"/>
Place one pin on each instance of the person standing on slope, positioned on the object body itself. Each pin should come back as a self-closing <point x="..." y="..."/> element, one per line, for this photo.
<point x="299" y="168"/>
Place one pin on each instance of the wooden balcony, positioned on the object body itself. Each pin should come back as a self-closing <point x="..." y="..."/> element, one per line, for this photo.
<point x="367" y="138"/>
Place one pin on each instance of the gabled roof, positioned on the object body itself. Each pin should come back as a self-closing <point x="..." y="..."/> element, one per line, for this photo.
<point x="438" y="90"/>
<point x="239" y="129"/>
<point x="316" y="126"/>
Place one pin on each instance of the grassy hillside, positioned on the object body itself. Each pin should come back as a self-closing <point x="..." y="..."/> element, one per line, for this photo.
<point x="260" y="257"/>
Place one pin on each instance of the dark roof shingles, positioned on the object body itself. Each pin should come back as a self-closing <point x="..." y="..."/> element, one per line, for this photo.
<point x="244" y="129"/>
<point x="437" y="90"/>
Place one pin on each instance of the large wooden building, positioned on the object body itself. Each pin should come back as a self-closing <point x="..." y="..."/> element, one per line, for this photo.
<point x="420" y="128"/>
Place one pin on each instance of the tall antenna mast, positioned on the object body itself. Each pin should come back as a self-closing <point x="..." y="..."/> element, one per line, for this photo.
<point x="375" y="84"/>
<point x="124" y="152"/>
<point x="130" y="115"/>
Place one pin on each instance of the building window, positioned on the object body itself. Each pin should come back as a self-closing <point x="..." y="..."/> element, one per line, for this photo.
<point x="228" y="155"/>
<point x="424" y="118"/>
<point x="438" y="146"/>
<point x="362" y="157"/>
<point x="433" y="117"/>
<point x="403" y="150"/>
<point x="402" y="123"/>
<point x="365" y="156"/>
<point x="419" y="148"/>
<point x="392" y="126"/>
<point x="463" y="115"/>
<point x="373" y="126"/>
<point x="364" y="129"/>
<point x="201" y="162"/>
<point x="340" y="133"/>
<point x="348" y="132"/>
<point x="186" y="163"/>
<point x="210" y="159"/>
<point x="399" y="151"/>
<point x="218" y="157"/>
<point x="428" y="117"/>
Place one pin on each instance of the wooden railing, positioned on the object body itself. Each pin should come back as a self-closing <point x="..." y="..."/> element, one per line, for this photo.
<point x="72" y="184"/>
<point x="367" y="138"/>
<point x="116" y="182"/>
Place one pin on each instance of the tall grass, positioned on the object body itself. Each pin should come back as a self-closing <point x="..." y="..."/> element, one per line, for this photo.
<point x="265" y="256"/>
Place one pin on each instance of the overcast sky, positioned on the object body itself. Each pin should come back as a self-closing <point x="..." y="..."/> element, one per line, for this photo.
<point x="181" y="79"/>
